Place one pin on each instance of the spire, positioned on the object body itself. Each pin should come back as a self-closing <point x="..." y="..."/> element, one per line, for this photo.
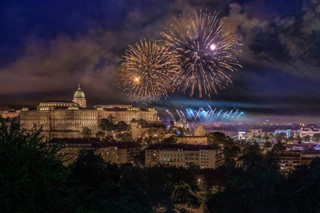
<point x="79" y="88"/>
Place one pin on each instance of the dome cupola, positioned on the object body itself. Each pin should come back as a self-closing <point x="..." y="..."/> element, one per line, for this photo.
<point x="79" y="93"/>
<point x="80" y="98"/>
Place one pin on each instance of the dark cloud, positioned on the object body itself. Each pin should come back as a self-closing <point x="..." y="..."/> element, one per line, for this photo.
<point x="286" y="43"/>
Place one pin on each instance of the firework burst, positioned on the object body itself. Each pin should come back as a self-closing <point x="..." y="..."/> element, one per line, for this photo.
<point x="207" y="50"/>
<point x="147" y="71"/>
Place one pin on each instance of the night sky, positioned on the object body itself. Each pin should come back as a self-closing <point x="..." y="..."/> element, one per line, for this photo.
<point x="47" y="47"/>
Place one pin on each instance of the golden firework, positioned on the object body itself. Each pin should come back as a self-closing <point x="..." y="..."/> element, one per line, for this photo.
<point x="147" y="71"/>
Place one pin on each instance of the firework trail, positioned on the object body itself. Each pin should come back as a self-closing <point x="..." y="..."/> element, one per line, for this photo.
<point x="224" y="114"/>
<point x="147" y="71"/>
<point x="234" y="113"/>
<point x="170" y="115"/>
<point x="178" y="114"/>
<point x="183" y="115"/>
<point x="192" y="113"/>
<point x="211" y="111"/>
<point x="239" y="115"/>
<point x="207" y="49"/>
<point x="205" y="114"/>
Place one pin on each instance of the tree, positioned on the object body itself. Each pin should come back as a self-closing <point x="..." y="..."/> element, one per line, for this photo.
<point x="216" y="138"/>
<point x="134" y="188"/>
<point x="307" y="138"/>
<point x="100" y="134"/>
<point x="267" y="144"/>
<point x="124" y="137"/>
<point x="161" y="189"/>
<point x="109" y="138"/>
<point x="134" y="120"/>
<point x="87" y="164"/>
<point x="231" y="150"/>
<point x="107" y="124"/>
<point x="316" y="137"/>
<point x="303" y="189"/>
<point x="122" y="126"/>
<point x="230" y="154"/>
<point x="281" y="136"/>
<point x="32" y="178"/>
<point x="93" y="184"/>
<point x="86" y="132"/>
<point x="139" y="159"/>
<point x="278" y="147"/>
<point x="183" y="194"/>
<point x="266" y="137"/>
<point x="180" y="131"/>
<point x="170" y="140"/>
<point x="291" y="138"/>
<point x="142" y="122"/>
<point x="255" y="187"/>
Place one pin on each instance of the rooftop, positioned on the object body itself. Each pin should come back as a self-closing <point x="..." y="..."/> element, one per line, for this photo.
<point x="88" y="142"/>
<point x="56" y="101"/>
<point x="191" y="136"/>
<point x="126" y="145"/>
<point x="92" y="142"/>
<point x="184" y="147"/>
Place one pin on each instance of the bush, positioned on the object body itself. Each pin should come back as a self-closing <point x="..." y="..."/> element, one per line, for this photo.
<point x="32" y="178"/>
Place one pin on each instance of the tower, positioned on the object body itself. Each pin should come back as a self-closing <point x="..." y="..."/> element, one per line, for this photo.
<point x="135" y="130"/>
<point x="80" y="98"/>
<point x="199" y="131"/>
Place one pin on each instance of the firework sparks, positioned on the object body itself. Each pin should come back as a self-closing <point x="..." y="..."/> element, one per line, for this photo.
<point x="147" y="71"/>
<point x="207" y="50"/>
<point x="205" y="114"/>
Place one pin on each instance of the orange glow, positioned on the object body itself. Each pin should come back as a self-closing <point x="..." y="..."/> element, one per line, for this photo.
<point x="136" y="80"/>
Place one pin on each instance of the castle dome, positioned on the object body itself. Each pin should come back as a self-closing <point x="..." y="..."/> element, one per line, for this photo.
<point x="79" y="93"/>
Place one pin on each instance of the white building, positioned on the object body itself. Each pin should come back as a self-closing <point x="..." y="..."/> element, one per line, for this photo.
<point x="183" y="155"/>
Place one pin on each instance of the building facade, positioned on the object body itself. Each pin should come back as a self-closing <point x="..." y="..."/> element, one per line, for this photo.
<point x="184" y="155"/>
<point x="9" y="114"/>
<point x="127" y="151"/>
<point x="303" y="132"/>
<point x="198" y="138"/>
<point x="308" y="156"/>
<point x="117" y="152"/>
<point x="195" y="140"/>
<point x="72" y="146"/>
<point x="199" y="131"/>
<point x="288" y="161"/>
<point x="66" y="119"/>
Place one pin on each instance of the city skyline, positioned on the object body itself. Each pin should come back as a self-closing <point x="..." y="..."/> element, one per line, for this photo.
<point x="52" y="48"/>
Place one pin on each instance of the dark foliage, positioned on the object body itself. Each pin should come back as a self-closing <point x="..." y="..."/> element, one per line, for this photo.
<point x="32" y="178"/>
<point x="259" y="187"/>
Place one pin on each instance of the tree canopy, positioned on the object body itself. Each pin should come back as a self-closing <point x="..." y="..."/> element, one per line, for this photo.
<point x="32" y="178"/>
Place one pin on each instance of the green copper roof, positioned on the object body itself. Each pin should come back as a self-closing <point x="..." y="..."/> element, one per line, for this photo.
<point x="79" y="93"/>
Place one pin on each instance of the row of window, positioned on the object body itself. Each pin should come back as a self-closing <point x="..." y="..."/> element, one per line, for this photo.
<point x="191" y="158"/>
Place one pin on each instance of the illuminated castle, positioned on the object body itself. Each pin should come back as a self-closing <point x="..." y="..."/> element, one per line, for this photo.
<point x="67" y="119"/>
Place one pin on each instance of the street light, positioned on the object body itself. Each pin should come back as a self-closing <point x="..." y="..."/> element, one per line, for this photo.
<point x="199" y="181"/>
